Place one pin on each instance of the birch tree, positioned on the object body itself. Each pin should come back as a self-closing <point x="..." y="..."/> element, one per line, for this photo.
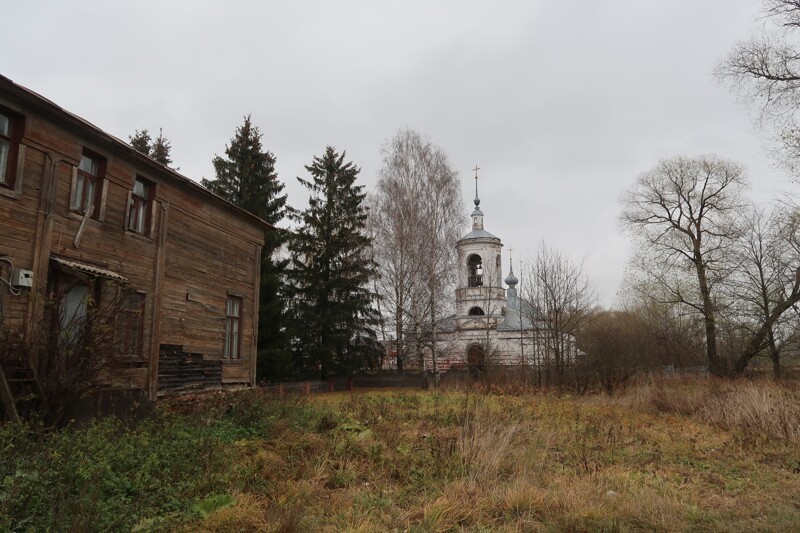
<point x="417" y="219"/>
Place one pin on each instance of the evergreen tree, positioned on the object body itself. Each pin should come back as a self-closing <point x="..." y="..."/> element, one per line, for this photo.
<point x="161" y="149"/>
<point x="141" y="141"/>
<point x="330" y="271"/>
<point x="158" y="149"/>
<point x="246" y="177"/>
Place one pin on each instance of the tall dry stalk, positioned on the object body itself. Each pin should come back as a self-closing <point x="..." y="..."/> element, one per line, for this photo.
<point x="484" y="442"/>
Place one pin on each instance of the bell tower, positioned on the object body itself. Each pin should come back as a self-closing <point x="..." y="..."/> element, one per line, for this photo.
<point x="479" y="291"/>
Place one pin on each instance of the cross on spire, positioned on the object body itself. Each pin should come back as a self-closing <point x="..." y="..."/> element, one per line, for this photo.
<point x="477" y="200"/>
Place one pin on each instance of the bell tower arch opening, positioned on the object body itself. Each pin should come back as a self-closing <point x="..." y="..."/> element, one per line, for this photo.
<point x="474" y="271"/>
<point x="476" y="311"/>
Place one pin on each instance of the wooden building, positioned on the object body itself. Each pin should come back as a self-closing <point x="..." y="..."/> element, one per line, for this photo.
<point x="84" y="217"/>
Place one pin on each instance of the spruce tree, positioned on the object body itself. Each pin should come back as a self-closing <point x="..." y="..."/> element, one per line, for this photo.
<point x="141" y="141"/>
<point x="246" y="177"/>
<point x="161" y="149"/>
<point x="158" y="149"/>
<point x="330" y="271"/>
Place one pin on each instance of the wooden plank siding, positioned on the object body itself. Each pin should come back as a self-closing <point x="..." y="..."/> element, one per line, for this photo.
<point x="200" y="249"/>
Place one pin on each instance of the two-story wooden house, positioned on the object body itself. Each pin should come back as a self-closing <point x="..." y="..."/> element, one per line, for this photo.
<point x="84" y="216"/>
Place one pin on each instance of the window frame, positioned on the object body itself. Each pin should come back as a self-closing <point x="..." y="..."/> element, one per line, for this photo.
<point x="131" y="313"/>
<point x="59" y="286"/>
<point x="14" y="140"/>
<point x="82" y="178"/>
<point x="230" y="321"/>
<point x="136" y="203"/>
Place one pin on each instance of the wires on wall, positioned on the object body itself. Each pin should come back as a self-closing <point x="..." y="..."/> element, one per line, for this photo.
<point x="11" y="289"/>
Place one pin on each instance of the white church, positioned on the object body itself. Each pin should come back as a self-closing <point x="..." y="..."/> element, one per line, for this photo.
<point x="491" y="326"/>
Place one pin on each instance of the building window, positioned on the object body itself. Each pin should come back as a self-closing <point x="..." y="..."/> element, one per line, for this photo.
<point x="140" y="206"/>
<point x="88" y="184"/>
<point x="130" y="324"/>
<point x="233" y="330"/>
<point x="74" y="310"/>
<point x="10" y="134"/>
<point x="476" y="311"/>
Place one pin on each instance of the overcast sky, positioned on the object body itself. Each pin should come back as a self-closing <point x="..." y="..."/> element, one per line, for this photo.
<point x="561" y="104"/>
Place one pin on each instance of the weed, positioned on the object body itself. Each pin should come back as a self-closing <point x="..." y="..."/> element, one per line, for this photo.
<point x="661" y="456"/>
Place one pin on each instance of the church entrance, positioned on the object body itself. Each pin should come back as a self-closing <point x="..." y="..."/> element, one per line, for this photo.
<point x="476" y="360"/>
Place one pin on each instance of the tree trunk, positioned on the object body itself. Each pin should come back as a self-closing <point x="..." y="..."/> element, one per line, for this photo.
<point x="398" y="333"/>
<point x="757" y="342"/>
<point x="433" y="338"/>
<point x="709" y="318"/>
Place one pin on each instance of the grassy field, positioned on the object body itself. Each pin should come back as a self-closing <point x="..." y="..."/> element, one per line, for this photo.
<point x="700" y="456"/>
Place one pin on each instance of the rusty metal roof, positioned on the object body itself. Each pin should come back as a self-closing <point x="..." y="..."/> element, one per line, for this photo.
<point x="91" y="270"/>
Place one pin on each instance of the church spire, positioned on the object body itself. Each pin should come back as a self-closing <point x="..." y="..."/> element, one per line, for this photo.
<point x="477" y="200"/>
<point x="477" y="215"/>
<point x="511" y="280"/>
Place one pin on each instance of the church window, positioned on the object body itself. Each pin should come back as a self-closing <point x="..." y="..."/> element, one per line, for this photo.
<point x="475" y="271"/>
<point x="476" y="311"/>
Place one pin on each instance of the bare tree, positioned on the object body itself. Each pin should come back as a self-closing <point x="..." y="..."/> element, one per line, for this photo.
<point x="689" y="214"/>
<point x="766" y="286"/>
<point x="81" y="345"/>
<point x="560" y="298"/>
<point x="614" y="343"/>
<point x="677" y="330"/>
<point x="765" y="71"/>
<point x="685" y="210"/>
<point x="417" y="217"/>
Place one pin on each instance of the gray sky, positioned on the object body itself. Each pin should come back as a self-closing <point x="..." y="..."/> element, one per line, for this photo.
<point x="561" y="104"/>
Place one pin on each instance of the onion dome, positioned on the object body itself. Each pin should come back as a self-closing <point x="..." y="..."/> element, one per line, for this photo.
<point x="511" y="280"/>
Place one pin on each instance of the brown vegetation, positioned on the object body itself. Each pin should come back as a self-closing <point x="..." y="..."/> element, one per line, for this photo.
<point x="710" y="455"/>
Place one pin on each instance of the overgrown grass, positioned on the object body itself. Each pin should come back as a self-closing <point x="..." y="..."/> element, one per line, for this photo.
<point x="661" y="456"/>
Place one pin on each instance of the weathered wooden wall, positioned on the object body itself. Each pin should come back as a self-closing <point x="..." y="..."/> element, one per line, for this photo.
<point x="199" y="251"/>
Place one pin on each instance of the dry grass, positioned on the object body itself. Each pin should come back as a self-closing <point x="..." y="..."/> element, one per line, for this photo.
<point x="757" y="409"/>
<point x="483" y="441"/>
<point x="662" y="456"/>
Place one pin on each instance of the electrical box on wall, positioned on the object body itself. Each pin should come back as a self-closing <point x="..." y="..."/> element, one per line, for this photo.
<point x="22" y="278"/>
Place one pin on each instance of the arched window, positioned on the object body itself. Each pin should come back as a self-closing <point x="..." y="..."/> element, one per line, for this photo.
<point x="474" y="271"/>
<point x="476" y="311"/>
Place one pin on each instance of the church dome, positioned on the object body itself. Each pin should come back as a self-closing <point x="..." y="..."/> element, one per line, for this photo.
<point x="511" y="280"/>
